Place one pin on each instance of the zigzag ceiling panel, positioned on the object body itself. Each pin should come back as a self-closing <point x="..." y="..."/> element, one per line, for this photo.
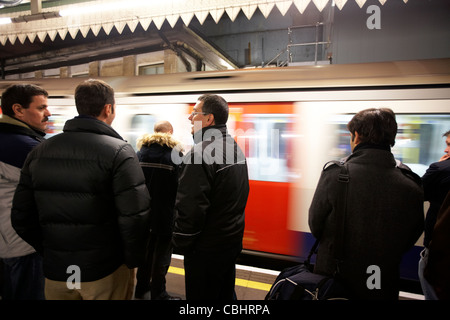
<point x="106" y="14"/>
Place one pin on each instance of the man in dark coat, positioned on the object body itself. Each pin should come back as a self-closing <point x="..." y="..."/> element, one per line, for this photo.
<point x="436" y="185"/>
<point x="384" y="216"/>
<point x="212" y="195"/>
<point x="161" y="176"/>
<point x="82" y="203"/>
<point x="22" y="127"/>
<point x="436" y="270"/>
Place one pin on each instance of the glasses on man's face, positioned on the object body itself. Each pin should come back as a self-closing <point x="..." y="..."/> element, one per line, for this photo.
<point x="194" y="113"/>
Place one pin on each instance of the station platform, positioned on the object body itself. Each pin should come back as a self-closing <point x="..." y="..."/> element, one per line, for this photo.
<point x="251" y="283"/>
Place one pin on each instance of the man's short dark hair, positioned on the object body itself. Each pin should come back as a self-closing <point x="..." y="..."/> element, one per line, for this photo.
<point x="215" y="105"/>
<point x="92" y="95"/>
<point x="375" y="126"/>
<point x="22" y="94"/>
<point x="446" y="134"/>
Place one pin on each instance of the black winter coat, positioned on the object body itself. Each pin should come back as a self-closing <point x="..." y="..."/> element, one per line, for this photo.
<point x="436" y="185"/>
<point x="384" y="219"/>
<point x="161" y="177"/>
<point x="82" y="201"/>
<point x="17" y="139"/>
<point x="212" y="194"/>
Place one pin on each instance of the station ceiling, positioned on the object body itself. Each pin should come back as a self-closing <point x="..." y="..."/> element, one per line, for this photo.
<point x="40" y="26"/>
<point x="39" y="19"/>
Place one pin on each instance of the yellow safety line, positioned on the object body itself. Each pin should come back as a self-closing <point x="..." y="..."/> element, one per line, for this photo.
<point x="176" y="270"/>
<point x="239" y="282"/>
<point x="253" y="284"/>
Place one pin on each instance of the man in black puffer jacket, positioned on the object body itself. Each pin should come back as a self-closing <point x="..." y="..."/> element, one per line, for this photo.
<point x="212" y="195"/>
<point x="82" y="203"/>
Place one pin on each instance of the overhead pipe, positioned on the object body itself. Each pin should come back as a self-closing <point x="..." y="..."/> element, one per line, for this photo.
<point x="36" y="16"/>
<point x="176" y="50"/>
<point x="36" y="12"/>
<point x="10" y="3"/>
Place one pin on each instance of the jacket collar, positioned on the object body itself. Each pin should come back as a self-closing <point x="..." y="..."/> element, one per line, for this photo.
<point x="13" y="125"/>
<point x="366" y="145"/>
<point x="207" y="132"/>
<point x="159" y="138"/>
<point x="90" y="124"/>
<point x="380" y="156"/>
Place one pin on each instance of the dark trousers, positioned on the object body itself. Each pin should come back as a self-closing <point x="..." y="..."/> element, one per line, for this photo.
<point x="151" y="276"/>
<point x="23" y="278"/>
<point x="211" y="275"/>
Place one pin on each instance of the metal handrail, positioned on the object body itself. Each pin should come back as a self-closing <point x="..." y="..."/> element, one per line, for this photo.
<point x="274" y="58"/>
<point x="290" y="44"/>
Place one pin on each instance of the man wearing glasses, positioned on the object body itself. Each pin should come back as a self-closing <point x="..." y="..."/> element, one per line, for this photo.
<point x="211" y="199"/>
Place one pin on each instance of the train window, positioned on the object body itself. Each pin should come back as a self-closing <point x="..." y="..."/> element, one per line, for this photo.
<point x="264" y="139"/>
<point x="140" y="124"/>
<point x="56" y="125"/>
<point x="79" y="75"/>
<point x="61" y="112"/>
<point x="151" y="69"/>
<point x="419" y="140"/>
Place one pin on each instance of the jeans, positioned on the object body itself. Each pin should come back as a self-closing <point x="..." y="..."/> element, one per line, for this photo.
<point x="23" y="278"/>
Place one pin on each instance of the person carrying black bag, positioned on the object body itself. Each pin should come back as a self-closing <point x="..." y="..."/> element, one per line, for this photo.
<point x="300" y="282"/>
<point x="383" y="216"/>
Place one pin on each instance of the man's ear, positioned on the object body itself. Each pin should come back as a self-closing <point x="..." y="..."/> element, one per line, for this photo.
<point x="356" y="138"/>
<point x="18" y="110"/>
<point x="211" y="121"/>
<point x="104" y="114"/>
<point x="107" y="109"/>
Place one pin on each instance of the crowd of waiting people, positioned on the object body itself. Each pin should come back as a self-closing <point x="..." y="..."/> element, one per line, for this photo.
<point x="85" y="217"/>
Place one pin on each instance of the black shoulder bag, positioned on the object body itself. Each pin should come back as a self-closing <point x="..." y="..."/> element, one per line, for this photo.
<point x="300" y="282"/>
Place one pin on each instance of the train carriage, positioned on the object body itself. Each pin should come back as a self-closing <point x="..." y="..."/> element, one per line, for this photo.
<point x="289" y="122"/>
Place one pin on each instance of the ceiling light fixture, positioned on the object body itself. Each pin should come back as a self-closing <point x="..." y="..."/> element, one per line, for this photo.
<point x="5" y="20"/>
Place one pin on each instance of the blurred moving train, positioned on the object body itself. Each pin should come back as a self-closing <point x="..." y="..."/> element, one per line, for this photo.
<point x="289" y="122"/>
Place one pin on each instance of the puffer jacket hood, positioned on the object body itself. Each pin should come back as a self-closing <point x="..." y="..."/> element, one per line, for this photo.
<point x="163" y="139"/>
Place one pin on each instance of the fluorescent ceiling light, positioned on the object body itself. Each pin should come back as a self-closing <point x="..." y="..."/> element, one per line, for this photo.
<point x="113" y="6"/>
<point x="88" y="9"/>
<point x="5" y="20"/>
